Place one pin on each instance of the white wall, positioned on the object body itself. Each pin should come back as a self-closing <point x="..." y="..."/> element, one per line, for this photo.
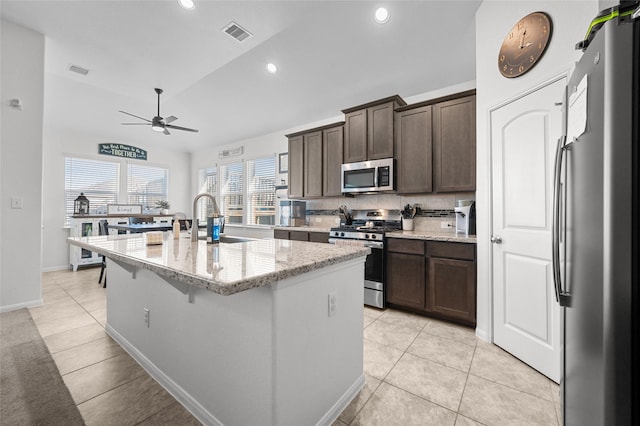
<point x="56" y="145"/>
<point x="21" y="167"/>
<point x="494" y="20"/>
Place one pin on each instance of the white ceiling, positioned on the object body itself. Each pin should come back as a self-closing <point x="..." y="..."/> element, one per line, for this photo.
<point x="330" y="54"/>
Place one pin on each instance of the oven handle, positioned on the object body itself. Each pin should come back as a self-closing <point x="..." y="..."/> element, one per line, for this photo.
<point x="370" y="244"/>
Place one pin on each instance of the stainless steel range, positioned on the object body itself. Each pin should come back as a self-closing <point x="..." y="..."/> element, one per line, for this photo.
<point x="367" y="228"/>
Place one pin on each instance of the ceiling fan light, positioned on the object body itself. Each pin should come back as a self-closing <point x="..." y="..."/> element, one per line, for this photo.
<point x="187" y="4"/>
<point x="157" y="128"/>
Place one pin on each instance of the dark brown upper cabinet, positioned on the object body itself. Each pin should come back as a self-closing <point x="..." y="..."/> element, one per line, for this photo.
<point x="369" y="130"/>
<point x="312" y="164"/>
<point x="436" y="145"/>
<point x="454" y="145"/>
<point x="312" y="161"/>
<point x="414" y="150"/>
<point x="332" y="154"/>
<point x="296" y="167"/>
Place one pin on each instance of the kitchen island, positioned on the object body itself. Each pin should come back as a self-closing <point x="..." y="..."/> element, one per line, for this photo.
<point x="265" y="332"/>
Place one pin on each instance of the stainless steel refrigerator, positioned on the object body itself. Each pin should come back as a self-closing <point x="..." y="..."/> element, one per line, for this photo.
<point x="596" y="219"/>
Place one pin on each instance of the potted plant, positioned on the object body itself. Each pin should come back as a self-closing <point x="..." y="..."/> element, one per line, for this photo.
<point x="164" y="206"/>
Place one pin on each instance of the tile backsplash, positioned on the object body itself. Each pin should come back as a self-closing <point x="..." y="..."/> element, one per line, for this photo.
<point x="437" y="208"/>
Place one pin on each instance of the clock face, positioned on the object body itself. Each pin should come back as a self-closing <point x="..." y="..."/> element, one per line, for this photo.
<point x="524" y="45"/>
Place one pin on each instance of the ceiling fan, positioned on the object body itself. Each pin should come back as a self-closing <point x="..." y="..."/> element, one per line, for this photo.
<point x="158" y="123"/>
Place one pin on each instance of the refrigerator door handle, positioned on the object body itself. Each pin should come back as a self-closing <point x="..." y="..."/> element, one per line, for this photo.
<point x="561" y="296"/>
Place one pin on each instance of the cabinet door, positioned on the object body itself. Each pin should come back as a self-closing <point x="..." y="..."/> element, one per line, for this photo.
<point x="452" y="289"/>
<point x="413" y="151"/>
<point x="355" y="136"/>
<point x="454" y="139"/>
<point x="380" y="131"/>
<point x="332" y="150"/>
<point x="312" y="165"/>
<point x="296" y="164"/>
<point x="406" y="280"/>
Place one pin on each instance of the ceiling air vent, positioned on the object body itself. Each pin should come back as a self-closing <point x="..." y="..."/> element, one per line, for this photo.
<point x="236" y="31"/>
<point x="78" y="70"/>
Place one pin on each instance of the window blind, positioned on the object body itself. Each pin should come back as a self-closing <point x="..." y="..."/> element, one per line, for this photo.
<point x="146" y="185"/>
<point x="98" y="180"/>
<point x="232" y="192"/>
<point x="261" y="187"/>
<point x="207" y="182"/>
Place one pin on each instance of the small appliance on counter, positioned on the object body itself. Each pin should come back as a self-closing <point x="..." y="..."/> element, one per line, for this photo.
<point x="465" y="217"/>
<point x="293" y="213"/>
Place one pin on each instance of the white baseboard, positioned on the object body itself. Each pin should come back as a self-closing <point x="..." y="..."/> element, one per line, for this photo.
<point x="184" y="398"/>
<point x="29" y="304"/>
<point x="334" y="412"/>
<point x="55" y="268"/>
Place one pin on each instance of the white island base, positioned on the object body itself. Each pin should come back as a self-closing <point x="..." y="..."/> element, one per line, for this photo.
<point x="271" y="355"/>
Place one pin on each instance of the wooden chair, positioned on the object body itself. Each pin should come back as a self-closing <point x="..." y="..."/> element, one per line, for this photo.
<point x="103" y="229"/>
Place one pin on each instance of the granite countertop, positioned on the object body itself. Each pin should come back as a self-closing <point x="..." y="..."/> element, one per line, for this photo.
<point x="433" y="236"/>
<point x="239" y="266"/>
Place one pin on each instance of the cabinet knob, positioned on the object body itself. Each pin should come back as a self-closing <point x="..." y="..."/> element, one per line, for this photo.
<point x="497" y="239"/>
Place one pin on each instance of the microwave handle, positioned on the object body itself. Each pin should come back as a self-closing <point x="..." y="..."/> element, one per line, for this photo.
<point x="375" y="176"/>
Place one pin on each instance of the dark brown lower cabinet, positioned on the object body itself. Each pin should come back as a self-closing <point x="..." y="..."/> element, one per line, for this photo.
<point x="432" y="278"/>
<point x="406" y="280"/>
<point x="452" y="289"/>
<point x="314" y="237"/>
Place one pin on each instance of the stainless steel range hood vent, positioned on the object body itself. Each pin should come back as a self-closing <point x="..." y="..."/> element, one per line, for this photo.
<point x="237" y="32"/>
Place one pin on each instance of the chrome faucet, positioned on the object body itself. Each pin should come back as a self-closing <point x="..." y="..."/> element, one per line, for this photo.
<point x="216" y="209"/>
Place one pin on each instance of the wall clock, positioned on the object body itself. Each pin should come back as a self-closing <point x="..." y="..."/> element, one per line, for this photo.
<point x="525" y="44"/>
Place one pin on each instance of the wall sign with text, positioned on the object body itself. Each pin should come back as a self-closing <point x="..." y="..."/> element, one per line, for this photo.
<point x="121" y="150"/>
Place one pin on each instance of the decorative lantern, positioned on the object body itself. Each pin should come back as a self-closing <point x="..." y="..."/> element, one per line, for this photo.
<point x="81" y="205"/>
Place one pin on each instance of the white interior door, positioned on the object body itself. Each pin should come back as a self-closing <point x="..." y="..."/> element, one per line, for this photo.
<point x="526" y="317"/>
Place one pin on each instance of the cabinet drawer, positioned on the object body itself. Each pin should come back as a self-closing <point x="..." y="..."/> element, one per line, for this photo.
<point x="399" y="245"/>
<point x="299" y="235"/>
<point x="281" y="234"/>
<point x="319" y="237"/>
<point x="462" y="251"/>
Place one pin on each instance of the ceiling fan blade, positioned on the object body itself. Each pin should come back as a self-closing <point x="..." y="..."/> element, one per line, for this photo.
<point x="166" y="132"/>
<point x="136" y="116"/>
<point x="136" y="124"/>
<point x="170" y="119"/>
<point x="181" y="128"/>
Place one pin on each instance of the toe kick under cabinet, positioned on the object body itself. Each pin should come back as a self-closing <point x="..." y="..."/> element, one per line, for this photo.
<point x="433" y="278"/>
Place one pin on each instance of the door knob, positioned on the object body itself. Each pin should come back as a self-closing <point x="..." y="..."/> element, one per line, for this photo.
<point x="496" y="239"/>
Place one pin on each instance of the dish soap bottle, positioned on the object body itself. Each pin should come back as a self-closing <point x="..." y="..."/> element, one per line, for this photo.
<point x="176" y="229"/>
<point x="213" y="229"/>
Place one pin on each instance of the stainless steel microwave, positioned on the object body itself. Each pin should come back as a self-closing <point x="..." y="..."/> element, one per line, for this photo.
<point x="368" y="176"/>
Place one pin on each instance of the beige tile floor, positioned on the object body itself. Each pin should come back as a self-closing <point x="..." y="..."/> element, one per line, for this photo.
<point x="418" y="371"/>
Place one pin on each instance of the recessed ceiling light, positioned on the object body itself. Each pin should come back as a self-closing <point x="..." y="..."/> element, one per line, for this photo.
<point x="272" y="68"/>
<point x="382" y="15"/>
<point x="187" y="4"/>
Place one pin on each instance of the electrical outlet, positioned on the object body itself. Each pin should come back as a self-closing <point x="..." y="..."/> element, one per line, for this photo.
<point x="332" y="303"/>
<point x="446" y="225"/>
<point x="318" y="219"/>
<point x="146" y="317"/>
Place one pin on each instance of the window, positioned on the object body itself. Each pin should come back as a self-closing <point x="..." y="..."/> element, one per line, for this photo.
<point x="207" y="182"/>
<point x="232" y="192"/>
<point x="98" y="180"/>
<point x="245" y="191"/>
<point x="261" y="187"/>
<point x="146" y="185"/>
